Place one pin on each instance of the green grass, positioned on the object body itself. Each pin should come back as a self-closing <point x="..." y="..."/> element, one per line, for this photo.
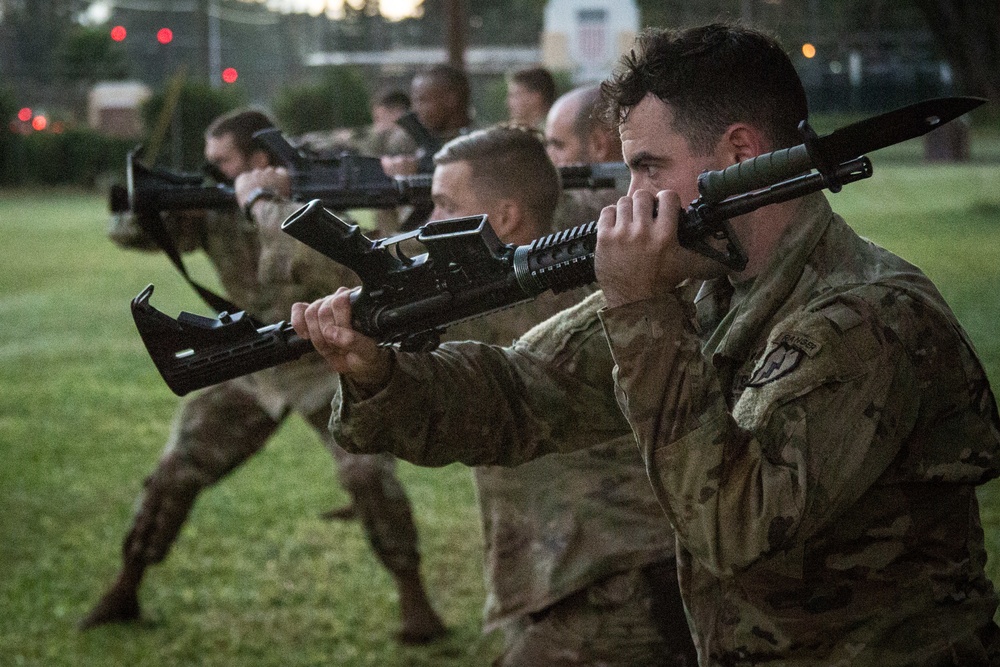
<point x="257" y="578"/>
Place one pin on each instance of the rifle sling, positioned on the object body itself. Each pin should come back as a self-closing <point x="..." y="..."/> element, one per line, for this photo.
<point x="153" y="225"/>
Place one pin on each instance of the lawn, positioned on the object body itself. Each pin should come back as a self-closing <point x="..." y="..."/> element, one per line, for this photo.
<point x="257" y="578"/>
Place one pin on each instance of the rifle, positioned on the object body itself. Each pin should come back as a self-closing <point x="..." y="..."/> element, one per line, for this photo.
<point x="341" y="182"/>
<point x="467" y="272"/>
<point x="149" y="190"/>
<point x="427" y="143"/>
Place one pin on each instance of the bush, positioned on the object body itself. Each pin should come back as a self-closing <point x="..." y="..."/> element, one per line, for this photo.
<point x="75" y="157"/>
<point x="338" y="99"/>
<point x="199" y="104"/>
<point x="8" y="111"/>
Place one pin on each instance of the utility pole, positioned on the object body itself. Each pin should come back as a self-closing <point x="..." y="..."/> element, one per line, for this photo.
<point x="214" y="44"/>
<point x="457" y="32"/>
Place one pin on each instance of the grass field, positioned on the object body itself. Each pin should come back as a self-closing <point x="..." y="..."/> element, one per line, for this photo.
<point x="257" y="578"/>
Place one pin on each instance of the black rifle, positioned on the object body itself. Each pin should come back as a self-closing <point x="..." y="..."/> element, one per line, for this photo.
<point x="467" y="272"/>
<point x="342" y="182"/>
<point x="427" y="143"/>
<point x="149" y="190"/>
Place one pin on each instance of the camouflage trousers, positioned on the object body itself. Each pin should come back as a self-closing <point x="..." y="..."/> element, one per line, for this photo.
<point x="221" y="428"/>
<point x="630" y="619"/>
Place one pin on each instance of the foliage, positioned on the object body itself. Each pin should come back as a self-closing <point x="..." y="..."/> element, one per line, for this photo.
<point x="89" y="55"/>
<point x="77" y="156"/>
<point x="338" y="98"/>
<point x="197" y="106"/>
<point x="8" y="140"/>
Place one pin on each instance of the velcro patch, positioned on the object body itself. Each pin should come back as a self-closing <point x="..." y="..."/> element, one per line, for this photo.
<point x="800" y="342"/>
<point x="779" y="362"/>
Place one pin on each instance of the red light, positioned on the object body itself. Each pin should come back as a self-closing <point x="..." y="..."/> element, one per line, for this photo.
<point x="118" y="33"/>
<point x="24" y="115"/>
<point x="229" y="75"/>
<point x="39" y="123"/>
<point x="164" y="35"/>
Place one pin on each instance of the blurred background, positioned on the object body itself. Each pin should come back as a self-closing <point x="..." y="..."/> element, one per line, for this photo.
<point x="82" y="80"/>
<point x="261" y="579"/>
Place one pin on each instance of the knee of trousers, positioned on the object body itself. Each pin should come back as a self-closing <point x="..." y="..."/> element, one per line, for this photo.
<point x="363" y="472"/>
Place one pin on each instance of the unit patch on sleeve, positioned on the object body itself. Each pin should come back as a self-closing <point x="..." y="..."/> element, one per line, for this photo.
<point x="782" y="358"/>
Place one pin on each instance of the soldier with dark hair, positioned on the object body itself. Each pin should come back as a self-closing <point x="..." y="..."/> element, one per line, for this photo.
<point x="530" y="94"/>
<point x="814" y="425"/>
<point x="219" y="428"/>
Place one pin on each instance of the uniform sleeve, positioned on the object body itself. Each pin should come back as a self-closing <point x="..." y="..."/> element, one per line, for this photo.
<point x="823" y="416"/>
<point x="486" y="405"/>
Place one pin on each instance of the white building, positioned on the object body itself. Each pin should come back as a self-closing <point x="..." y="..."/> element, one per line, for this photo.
<point x="113" y="107"/>
<point x="587" y="37"/>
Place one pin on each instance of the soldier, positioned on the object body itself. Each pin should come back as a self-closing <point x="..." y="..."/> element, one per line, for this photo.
<point x="441" y="99"/>
<point x="221" y="427"/>
<point x="530" y="93"/>
<point x="575" y="133"/>
<point x="814" y="426"/>
<point x="572" y="542"/>
<point x="377" y="139"/>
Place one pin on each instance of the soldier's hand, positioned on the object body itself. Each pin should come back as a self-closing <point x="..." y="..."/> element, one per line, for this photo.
<point x="399" y="165"/>
<point x="327" y="324"/>
<point x="275" y="179"/>
<point x="638" y="255"/>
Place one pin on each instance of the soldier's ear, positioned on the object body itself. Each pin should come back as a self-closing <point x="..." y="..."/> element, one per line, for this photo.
<point x="599" y="143"/>
<point x="507" y="220"/>
<point x="742" y="141"/>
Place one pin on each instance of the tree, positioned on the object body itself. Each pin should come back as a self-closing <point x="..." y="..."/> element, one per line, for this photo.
<point x="339" y="99"/>
<point x="196" y="108"/>
<point x="966" y="33"/>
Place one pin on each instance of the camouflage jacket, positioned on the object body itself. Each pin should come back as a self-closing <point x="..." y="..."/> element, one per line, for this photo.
<point x="557" y="524"/>
<point x="578" y="207"/>
<point x="817" y="449"/>
<point x="551" y="526"/>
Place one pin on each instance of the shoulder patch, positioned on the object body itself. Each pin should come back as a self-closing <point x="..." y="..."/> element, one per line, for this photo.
<point x="782" y="358"/>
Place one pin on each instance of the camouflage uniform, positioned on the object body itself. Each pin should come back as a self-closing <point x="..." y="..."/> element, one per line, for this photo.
<point x="579" y="562"/>
<point x="572" y="540"/>
<point x="262" y="271"/>
<point x="817" y="452"/>
<point x="817" y="448"/>
<point x="580" y="206"/>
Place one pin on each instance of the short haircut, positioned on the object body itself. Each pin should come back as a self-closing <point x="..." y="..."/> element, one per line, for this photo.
<point x="589" y="115"/>
<point x="241" y="124"/>
<point x="537" y="79"/>
<point x="712" y="76"/>
<point x="451" y="77"/>
<point x="394" y="99"/>
<point x="510" y="162"/>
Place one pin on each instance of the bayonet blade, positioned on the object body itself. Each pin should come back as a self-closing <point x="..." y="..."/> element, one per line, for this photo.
<point x="893" y="127"/>
<point x="828" y="152"/>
